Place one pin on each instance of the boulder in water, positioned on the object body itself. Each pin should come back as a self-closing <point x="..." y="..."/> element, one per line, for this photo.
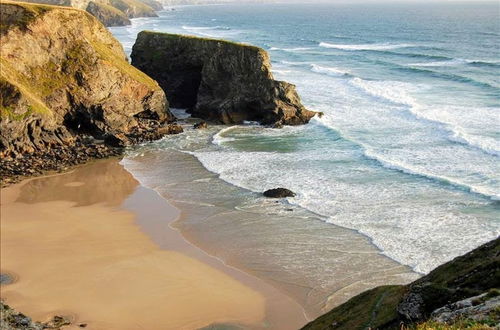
<point x="279" y="193"/>
<point x="200" y="125"/>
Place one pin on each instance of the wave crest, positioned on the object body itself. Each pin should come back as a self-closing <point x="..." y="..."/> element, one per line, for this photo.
<point x="383" y="46"/>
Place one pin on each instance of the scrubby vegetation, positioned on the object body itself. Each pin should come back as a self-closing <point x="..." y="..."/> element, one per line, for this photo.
<point x="389" y="307"/>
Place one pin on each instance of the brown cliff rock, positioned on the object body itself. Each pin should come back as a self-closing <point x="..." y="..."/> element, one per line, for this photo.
<point x="63" y="75"/>
<point x="218" y="80"/>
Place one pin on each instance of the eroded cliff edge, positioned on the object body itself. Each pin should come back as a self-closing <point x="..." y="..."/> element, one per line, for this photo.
<point x="65" y="79"/>
<point x="462" y="293"/>
<point x="218" y="80"/>
<point x="110" y="12"/>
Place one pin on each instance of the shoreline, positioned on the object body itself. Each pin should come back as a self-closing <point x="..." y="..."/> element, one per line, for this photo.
<point x="257" y="301"/>
<point x="231" y="212"/>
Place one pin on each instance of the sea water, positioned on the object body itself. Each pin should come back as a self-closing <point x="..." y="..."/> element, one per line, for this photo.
<point x="407" y="152"/>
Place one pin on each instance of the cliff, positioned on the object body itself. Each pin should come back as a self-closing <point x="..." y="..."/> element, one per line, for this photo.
<point x="63" y="76"/>
<point x="443" y="294"/>
<point x="218" y="80"/>
<point x="156" y="5"/>
<point x="133" y="8"/>
<point x="108" y="15"/>
<point x="110" y="12"/>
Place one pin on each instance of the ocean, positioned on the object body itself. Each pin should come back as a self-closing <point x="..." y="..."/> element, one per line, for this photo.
<point x="407" y="152"/>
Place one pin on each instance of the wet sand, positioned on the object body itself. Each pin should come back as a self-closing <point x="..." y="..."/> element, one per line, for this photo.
<point x="318" y="264"/>
<point x="94" y="245"/>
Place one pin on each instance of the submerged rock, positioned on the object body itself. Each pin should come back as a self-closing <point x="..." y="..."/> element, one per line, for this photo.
<point x="218" y="80"/>
<point x="279" y="193"/>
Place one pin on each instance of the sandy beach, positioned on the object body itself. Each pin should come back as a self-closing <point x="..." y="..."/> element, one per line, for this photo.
<point x="94" y="245"/>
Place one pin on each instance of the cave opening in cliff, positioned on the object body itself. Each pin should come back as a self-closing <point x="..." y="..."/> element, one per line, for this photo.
<point x="83" y="121"/>
<point x="182" y="87"/>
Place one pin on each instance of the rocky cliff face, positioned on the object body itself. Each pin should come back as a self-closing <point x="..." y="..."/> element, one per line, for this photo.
<point x="108" y="15"/>
<point x="218" y="80"/>
<point x="64" y="76"/>
<point x="132" y="8"/>
<point x="110" y="12"/>
<point x="464" y="287"/>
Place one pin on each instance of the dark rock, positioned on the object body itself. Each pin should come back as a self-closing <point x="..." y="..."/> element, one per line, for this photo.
<point x="279" y="193"/>
<point x="171" y="129"/>
<point x="82" y="325"/>
<point x="200" y="125"/>
<point x="58" y="321"/>
<point x="10" y="319"/>
<point x="218" y="80"/>
<point x="116" y="140"/>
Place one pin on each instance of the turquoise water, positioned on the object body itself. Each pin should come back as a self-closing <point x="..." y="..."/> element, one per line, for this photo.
<point x="407" y="152"/>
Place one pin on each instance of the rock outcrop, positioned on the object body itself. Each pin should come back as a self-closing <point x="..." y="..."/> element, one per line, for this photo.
<point x="133" y="8"/>
<point x="108" y="15"/>
<point x="10" y="319"/>
<point x="156" y="5"/>
<point x="279" y="193"/>
<point x="443" y="293"/>
<point x="218" y="80"/>
<point x="110" y="12"/>
<point x="63" y="77"/>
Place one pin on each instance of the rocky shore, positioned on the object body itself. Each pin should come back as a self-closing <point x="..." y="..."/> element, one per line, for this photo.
<point x="11" y="319"/>
<point x="79" y="99"/>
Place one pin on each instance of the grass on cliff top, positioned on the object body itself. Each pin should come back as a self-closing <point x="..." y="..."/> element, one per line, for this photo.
<point x="371" y="309"/>
<point x="111" y="9"/>
<point x="9" y="88"/>
<point x="25" y="14"/>
<point x="174" y="36"/>
<point x="124" y="5"/>
<point x="117" y="60"/>
<point x="462" y="324"/>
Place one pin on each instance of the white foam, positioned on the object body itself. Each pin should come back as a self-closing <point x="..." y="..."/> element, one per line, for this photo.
<point x="453" y="120"/>
<point x="454" y="62"/>
<point x="381" y="46"/>
<point x="410" y="169"/>
<point x="393" y="91"/>
<point x="219" y="138"/>
<point x="330" y="71"/>
<point x="293" y="49"/>
<point x="196" y="28"/>
<point x="211" y="31"/>
<point x="384" y="211"/>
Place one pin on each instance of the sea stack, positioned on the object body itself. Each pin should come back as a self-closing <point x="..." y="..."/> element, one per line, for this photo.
<point x="63" y="77"/>
<point x="218" y="80"/>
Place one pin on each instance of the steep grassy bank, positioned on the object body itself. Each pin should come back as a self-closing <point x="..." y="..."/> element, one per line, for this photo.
<point x="415" y="305"/>
<point x="110" y="12"/>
